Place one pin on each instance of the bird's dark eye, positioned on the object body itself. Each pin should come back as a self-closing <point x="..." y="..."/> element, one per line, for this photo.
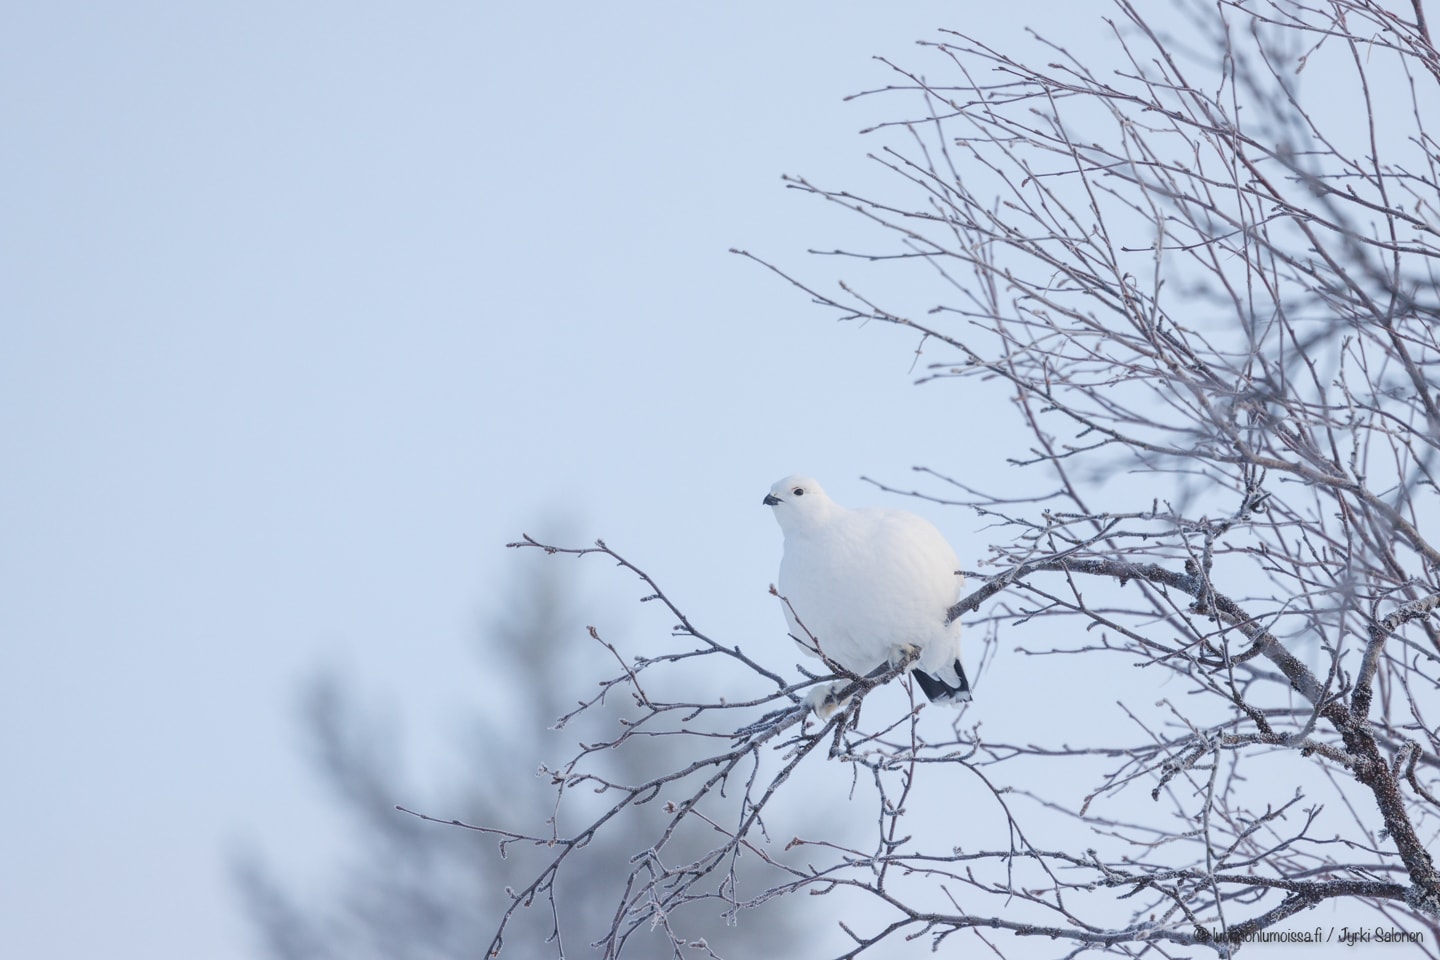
<point x="798" y="491"/>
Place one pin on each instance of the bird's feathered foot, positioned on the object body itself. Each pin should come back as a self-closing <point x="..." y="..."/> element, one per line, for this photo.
<point x="823" y="701"/>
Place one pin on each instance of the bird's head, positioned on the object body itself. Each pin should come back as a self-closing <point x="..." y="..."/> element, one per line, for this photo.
<point x="799" y="503"/>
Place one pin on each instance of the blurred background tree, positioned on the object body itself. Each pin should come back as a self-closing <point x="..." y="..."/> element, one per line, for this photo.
<point x="417" y="890"/>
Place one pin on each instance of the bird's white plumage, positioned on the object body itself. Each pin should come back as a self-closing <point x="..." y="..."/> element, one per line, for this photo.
<point x="867" y="583"/>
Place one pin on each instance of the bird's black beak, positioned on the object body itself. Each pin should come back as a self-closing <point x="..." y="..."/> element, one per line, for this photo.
<point x="770" y="500"/>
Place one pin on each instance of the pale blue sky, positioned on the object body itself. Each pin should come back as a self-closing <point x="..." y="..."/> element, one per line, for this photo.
<point x="309" y="308"/>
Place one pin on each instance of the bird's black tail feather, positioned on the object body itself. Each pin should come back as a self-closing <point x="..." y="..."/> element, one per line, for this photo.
<point x="941" y="692"/>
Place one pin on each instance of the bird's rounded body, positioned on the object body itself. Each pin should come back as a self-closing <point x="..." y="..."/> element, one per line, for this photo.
<point x="866" y="584"/>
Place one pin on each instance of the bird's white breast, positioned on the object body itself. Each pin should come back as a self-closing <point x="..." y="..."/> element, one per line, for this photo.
<point x="870" y="581"/>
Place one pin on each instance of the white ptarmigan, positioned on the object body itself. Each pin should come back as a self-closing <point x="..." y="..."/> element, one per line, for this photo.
<point x="864" y="585"/>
